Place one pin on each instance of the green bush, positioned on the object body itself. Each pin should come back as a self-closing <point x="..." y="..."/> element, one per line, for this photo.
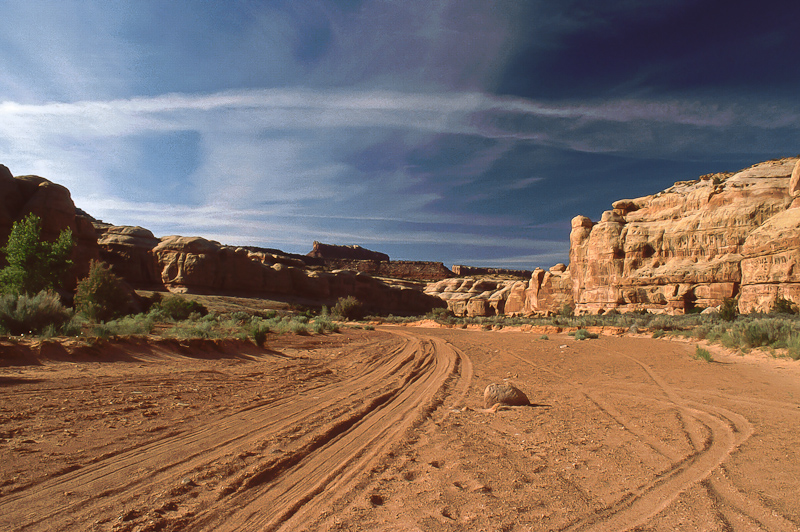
<point x="439" y="314"/>
<point x="348" y="308"/>
<point x="658" y="333"/>
<point x="188" y="329"/>
<point x="729" y="309"/>
<point x="702" y="354"/>
<point x="783" y="306"/>
<point x="140" y="324"/>
<point x="259" y="332"/>
<point x="583" y="334"/>
<point x="34" y="265"/>
<point x="23" y="314"/>
<point x="179" y="308"/>
<point x="102" y="296"/>
<point x="567" y="311"/>
<point x="793" y="346"/>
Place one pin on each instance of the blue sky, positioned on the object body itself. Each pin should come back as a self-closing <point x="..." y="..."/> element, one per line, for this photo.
<point x="468" y="132"/>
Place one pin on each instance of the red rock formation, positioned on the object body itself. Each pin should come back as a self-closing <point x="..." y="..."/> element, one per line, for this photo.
<point x="396" y="269"/>
<point x="684" y="247"/>
<point x="545" y="293"/>
<point x="22" y="195"/>
<point x="331" y="251"/>
<point x="472" y="271"/>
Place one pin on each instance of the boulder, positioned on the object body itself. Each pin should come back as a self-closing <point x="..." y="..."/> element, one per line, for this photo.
<point x="504" y="394"/>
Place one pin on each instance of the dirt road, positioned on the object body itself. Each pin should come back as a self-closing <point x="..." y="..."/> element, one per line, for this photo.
<point x="385" y="430"/>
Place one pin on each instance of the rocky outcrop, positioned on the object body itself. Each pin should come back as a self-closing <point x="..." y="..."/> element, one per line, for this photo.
<point x="331" y="251"/>
<point x="691" y="245"/>
<point x="198" y="265"/>
<point x="546" y="292"/>
<point x="396" y="269"/>
<point x="473" y="271"/>
<point x="53" y="204"/>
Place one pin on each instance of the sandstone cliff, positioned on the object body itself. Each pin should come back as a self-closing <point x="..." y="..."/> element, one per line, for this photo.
<point x="197" y="265"/>
<point x="546" y="292"/>
<point x="22" y="195"/>
<point x="691" y="245"/>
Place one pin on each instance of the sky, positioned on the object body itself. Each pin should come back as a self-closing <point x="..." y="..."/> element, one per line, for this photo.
<point x="466" y="132"/>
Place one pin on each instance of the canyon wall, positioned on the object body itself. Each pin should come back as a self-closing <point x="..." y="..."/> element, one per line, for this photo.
<point x="691" y="245"/>
<point x="196" y="265"/>
<point x="688" y="247"/>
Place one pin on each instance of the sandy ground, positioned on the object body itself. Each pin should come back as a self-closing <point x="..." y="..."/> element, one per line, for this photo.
<point x="386" y="430"/>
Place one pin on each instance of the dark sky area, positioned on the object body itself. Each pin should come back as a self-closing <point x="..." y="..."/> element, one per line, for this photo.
<point x="468" y="132"/>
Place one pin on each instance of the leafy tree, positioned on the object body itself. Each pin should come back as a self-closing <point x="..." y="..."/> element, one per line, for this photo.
<point x="101" y="296"/>
<point x="34" y="265"/>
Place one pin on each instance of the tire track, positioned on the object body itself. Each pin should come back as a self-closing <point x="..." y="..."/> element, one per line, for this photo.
<point x="120" y="480"/>
<point x="714" y="433"/>
<point x="300" y="494"/>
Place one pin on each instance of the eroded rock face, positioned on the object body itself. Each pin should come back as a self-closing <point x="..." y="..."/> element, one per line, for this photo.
<point x="128" y="250"/>
<point x="545" y="293"/>
<point x="198" y="265"/>
<point x="22" y="195"/>
<point x="504" y="394"/>
<point x="685" y="246"/>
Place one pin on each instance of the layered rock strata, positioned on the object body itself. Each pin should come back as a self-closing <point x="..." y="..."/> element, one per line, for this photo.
<point x="691" y="245"/>
<point x="197" y="265"/>
<point x="546" y="292"/>
<point x="473" y="271"/>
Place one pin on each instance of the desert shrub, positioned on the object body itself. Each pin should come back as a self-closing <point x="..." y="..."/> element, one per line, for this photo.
<point x="34" y="265"/>
<point x="101" y="296"/>
<point x="349" y="308"/>
<point x="259" y="332"/>
<point x="658" y="333"/>
<point x="793" y="346"/>
<point x="140" y="324"/>
<point x="567" y="311"/>
<point x="702" y="354"/>
<point x="439" y="314"/>
<point x="192" y="329"/>
<point x="583" y="334"/>
<point x="24" y="314"/>
<point x="239" y="316"/>
<point x="544" y="337"/>
<point x="783" y="306"/>
<point x="323" y="324"/>
<point x="729" y="309"/>
<point x="179" y="308"/>
<point x="760" y="332"/>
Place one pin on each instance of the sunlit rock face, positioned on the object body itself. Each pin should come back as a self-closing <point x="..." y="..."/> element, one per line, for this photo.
<point x="546" y="292"/>
<point x="692" y="245"/>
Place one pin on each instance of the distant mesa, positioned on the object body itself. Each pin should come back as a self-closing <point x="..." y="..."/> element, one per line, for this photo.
<point x="353" y="252"/>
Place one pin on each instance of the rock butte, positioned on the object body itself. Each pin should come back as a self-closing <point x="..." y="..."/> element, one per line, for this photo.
<point x="692" y="245"/>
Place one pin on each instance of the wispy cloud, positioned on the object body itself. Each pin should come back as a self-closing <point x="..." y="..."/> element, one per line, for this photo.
<point x="266" y="154"/>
